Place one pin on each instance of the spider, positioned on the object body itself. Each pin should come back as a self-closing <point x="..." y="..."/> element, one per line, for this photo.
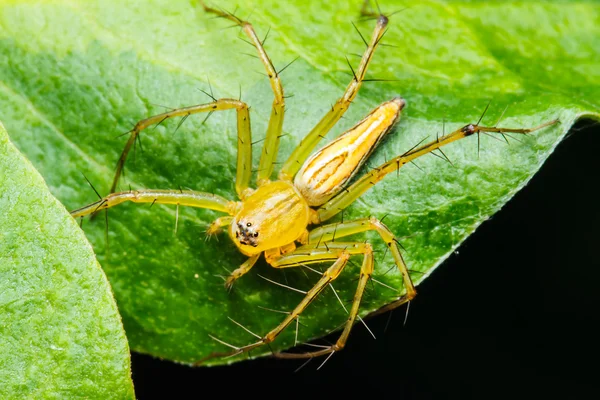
<point x="274" y="218"/>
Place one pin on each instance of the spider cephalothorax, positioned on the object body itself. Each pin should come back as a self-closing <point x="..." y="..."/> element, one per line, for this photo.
<point x="274" y="218"/>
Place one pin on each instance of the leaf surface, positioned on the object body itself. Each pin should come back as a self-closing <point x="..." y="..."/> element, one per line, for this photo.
<point x="74" y="77"/>
<point x="60" y="332"/>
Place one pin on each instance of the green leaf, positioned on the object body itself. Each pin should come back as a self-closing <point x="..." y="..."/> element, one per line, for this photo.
<point x="74" y="77"/>
<point x="60" y="332"/>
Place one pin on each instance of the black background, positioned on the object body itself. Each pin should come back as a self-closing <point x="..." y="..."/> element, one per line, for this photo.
<point x="515" y="314"/>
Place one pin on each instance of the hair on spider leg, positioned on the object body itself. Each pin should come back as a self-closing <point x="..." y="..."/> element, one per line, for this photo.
<point x="207" y="117"/>
<point x="385" y="285"/>
<point x="245" y="40"/>
<point x="166" y="107"/>
<point x="285" y="275"/>
<point x="393" y="267"/>
<point x="326" y="359"/>
<point x="478" y="132"/>
<point x="337" y="296"/>
<point x="138" y="138"/>
<point x="297" y="329"/>
<point x="238" y="349"/>
<point x="262" y="43"/>
<point x="223" y="277"/>
<point x="318" y="346"/>
<point x="500" y="119"/>
<point x="273" y="310"/>
<point x="210" y="95"/>
<point x="91" y="185"/>
<point x="389" y="45"/>
<point x="305" y="363"/>
<point x="176" y="219"/>
<point x="258" y="141"/>
<point x="250" y="55"/>
<point x="311" y="269"/>
<point x="159" y="123"/>
<point x="287" y="65"/>
<point x="360" y="34"/>
<point x="107" y="251"/>
<point x="366" y="327"/>
<point x="244" y="328"/>
<point x="123" y="134"/>
<point x="351" y="69"/>
<point x="181" y="121"/>
<point x="282" y="285"/>
<point x="442" y="157"/>
<point x="412" y="148"/>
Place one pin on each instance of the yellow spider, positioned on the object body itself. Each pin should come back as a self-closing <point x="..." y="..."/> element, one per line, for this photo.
<point x="274" y="218"/>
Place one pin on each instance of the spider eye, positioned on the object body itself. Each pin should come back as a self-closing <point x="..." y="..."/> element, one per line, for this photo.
<point x="248" y="224"/>
<point x="255" y="234"/>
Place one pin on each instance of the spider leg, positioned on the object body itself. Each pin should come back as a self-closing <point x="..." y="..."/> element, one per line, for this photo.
<point x="271" y="145"/>
<point x="177" y="197"/>
<point x="360" y="186"/>
<point x="366" y="271"/>
<point x="237" y="273"/>
<point x="331" y="232"/>
<point x="308" y="254"/>
<point x="244" y="157"/>
<point x="306" y="146"/>
<point x="217" y="224"/>
<point x="341" y="259"/>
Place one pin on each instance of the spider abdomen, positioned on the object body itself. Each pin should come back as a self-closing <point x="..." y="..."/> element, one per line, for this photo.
<point x="326" y="172"/>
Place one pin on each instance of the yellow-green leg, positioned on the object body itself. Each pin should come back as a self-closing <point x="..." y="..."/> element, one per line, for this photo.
<point x="306" y="146"/>
<point x="358" y="188"/>
<point x="366" y="270"/>
<point x="271" y="145"/>
<point x="328" y="276"/>
<point x="237" y="273"/>
<point x="217" y="224"/>
<point x="176" y="197"/>
<point x="308" y="254"/>
<point x="244" y="156"/>
<point x="331" y="232"/>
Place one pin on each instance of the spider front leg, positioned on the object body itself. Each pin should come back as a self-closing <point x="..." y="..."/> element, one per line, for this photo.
<point x="306" y="146"/>
<point x="271" y="145"/>
<point x="217" y="224"/>
<point x="177" y="197"/>
<point x="244" y="156"/>
<point x="237" y="273"/>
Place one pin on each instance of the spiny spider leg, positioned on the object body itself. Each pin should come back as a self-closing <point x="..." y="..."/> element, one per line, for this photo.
<point x="245" y="267"/>
<point x="217" y="224"/>
<point x="306" y="146"/>
<point x="244" y="156"/>
<point x="366" y="271"/>
<point x="177" y="197"/>
<point x="329" y="233"/>
<point x="308" y="254"/>
<point x="271" y="145"/>
<point x="340" y="256"/>
<point x="347" y="197"/>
